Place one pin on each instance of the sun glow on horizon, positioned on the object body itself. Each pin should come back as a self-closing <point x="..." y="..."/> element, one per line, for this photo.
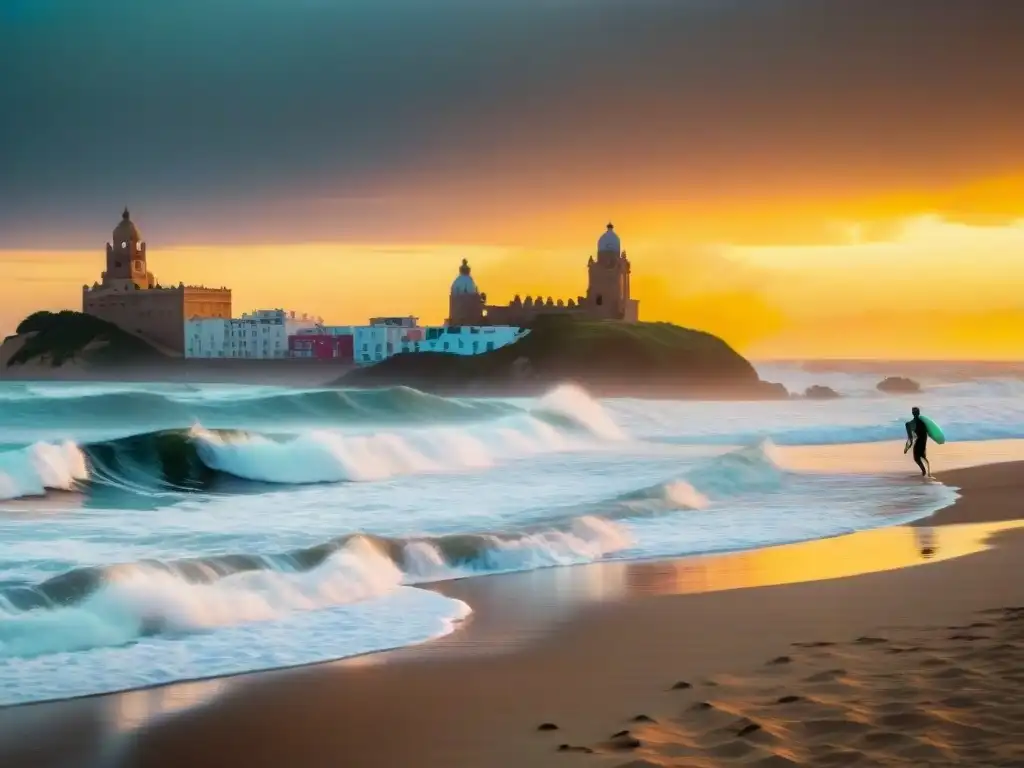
<point x="920" y="287"/>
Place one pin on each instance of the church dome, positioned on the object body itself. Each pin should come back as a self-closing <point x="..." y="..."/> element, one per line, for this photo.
<point x="126" y="231"/>
<point x="464" y="283"/>
<point x="609" y="242"/>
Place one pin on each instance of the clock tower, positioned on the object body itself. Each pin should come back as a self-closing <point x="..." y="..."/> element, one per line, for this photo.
<point x="126" y="258"/>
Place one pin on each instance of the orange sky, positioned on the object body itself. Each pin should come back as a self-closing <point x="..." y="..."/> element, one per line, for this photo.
<point x="910" y="275"/>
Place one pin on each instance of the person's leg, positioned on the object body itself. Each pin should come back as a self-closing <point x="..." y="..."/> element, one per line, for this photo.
<point x="919" y="459"/>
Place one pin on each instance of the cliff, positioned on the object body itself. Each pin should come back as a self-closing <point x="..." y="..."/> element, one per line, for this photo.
<point x="56" y="339"/>
<point x="608" y="358"/>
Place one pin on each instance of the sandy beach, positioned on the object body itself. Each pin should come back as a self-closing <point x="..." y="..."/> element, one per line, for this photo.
<point x="776" y="657"/>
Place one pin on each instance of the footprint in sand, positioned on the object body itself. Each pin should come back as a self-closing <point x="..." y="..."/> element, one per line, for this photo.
<point x="572" y="748"/>
<point x="828" y="676"/>
<point x="623" y="740"/>
<point x="870" y="640"/>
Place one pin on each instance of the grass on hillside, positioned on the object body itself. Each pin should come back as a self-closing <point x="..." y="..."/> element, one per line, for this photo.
<point x="59" y="337"/>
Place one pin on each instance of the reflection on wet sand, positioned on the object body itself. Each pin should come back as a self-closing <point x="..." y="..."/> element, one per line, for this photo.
<point x="134" y="709"/>
<point x="513" y="609"/>
<point x="866" y="552"/>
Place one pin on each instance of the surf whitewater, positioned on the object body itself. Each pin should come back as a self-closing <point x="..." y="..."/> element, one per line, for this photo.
<point x="185" y="531"/>
<point x="360" y="436"/>
<point x="114" y="604"/>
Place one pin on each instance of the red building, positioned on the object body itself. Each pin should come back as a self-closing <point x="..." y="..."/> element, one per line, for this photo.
<point x="322" y="346"/>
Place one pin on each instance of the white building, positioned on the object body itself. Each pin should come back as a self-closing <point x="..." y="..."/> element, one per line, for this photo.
<point x="464" y="339"/>
<point x="259" y="335"/>
<point x="373" y="343"/>
<point x="385" y="337"/>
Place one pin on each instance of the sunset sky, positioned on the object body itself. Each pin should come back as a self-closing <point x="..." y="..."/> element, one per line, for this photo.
<point x="806" y="178"/>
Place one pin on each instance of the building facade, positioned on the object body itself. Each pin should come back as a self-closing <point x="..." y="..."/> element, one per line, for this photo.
<point x="261" y="335"/>
<point x="321" y="346"/>
<point x="129" y="295"/>
<point x="386" y="337"/>
<point x="608" y="294"/>
<point x="463" y="339"/>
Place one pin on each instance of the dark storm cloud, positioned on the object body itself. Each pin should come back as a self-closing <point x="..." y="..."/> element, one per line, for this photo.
<point x="208" y="107"/>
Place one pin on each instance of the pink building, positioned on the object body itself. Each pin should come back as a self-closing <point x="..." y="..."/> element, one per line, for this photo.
<point x="322" y="346"/>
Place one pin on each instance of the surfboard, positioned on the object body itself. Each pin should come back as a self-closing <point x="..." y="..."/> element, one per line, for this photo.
<point x="934" y="431"/>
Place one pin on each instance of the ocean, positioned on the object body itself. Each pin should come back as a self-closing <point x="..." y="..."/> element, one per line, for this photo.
<point x="153" y="533"/>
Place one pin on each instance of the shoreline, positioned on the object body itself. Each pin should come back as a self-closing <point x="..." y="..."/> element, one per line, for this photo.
<point x="522" y="642"/>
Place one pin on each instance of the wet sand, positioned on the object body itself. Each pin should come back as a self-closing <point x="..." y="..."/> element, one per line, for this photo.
<point x="700" y="661"/>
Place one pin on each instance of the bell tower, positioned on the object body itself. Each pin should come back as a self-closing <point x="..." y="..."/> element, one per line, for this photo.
<point x="126" y="257"/>
<point x="608" y="284"/>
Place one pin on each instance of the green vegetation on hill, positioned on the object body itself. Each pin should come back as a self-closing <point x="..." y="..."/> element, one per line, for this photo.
<point x="604" y="354"/>
<point x="59" y="337"/>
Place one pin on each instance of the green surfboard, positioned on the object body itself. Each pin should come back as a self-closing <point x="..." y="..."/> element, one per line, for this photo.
<point x="934" y="431"/>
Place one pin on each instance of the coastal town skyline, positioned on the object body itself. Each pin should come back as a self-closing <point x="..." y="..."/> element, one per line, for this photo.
<point x="792" y="196"/>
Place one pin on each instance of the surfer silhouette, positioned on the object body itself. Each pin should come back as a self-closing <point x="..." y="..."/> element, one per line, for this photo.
<point x="917" y="437"/>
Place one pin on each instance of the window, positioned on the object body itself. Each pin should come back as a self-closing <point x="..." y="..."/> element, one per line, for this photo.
<point x="446" y="345"/>
<point x="600" y="300"/>
<point x="490" y="346"/>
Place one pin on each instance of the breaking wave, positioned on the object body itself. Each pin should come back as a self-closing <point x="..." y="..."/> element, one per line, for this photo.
<point x="117" y="604"/>
<point x="197" y="458"/>
<point x="40" y="467"/>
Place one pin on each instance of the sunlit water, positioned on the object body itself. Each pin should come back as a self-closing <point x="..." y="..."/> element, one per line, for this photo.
<point x="158" y="533"/>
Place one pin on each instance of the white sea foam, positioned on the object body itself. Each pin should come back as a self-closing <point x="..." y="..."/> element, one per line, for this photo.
<point x="32" y="470"/>
<point x="685" y="495"/>
<point x="139" y="599"/>
<point x="319" y="456"/>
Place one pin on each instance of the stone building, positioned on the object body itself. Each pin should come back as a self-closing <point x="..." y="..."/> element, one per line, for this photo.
<point x="129" y="295"/>
<point x="607" y="297"/>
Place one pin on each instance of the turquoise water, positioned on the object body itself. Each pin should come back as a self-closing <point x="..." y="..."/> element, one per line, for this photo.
<point x="158" y="533"/>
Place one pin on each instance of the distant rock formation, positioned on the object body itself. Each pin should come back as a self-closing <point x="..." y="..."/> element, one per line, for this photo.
<point x="897" y="385"/>
<point x="819" y="392"/>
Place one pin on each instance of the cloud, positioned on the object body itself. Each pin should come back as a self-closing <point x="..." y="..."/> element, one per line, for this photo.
<point x="232" y="110"/>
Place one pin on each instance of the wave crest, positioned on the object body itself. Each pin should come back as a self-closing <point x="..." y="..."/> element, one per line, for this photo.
<point x="195" y="458"/>
<point x="33" y="470"/>
<point x="114" y="605"/>
<point x="88" y="408"/>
